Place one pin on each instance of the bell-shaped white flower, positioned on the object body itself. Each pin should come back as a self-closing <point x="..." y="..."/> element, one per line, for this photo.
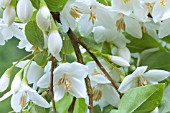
<point x="140" y="78"/>
<point x="22" y="94"/>
<point x="4" y="80"/>
<point x="9" y="15"/>
<point x="4" y="3"/>
<point x="103" y="93"/>
<point x="68" y="77"/>
<point x="55" y="44"/>
<point x="43" y="18"/>
<point x="24" y="10"/>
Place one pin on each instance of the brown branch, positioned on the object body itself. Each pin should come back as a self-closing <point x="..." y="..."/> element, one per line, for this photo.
<point x="87" y="80"/>
<point x="96" y="60"/>
<point x="51" y="83"/>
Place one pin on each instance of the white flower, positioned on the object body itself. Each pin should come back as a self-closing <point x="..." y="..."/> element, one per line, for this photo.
<point x="103" y="93"/>
<point x="24" y="10"/>
<point x="34" y="71"/>
<point x="9" y="15"/>
<point x="55" y="44"/>
<point x="4" y="80"/>
<point x="43" y="18"/>
<point x="22" y="94"/>
<point x="68" y="77"/>
<point x="140" y="78"/>
<point x="124" y="53"/>
<point x="4" y="3"/>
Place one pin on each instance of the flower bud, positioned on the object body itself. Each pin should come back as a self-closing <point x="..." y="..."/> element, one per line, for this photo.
<point x="16" y="83"/>
<point x="119" y="61"/>
<point x="43" y="18"/>
<point x="4" y="80"/>
<point x="24" y="10"/>
<point x="124" y="53"/>
<point x="9" y="15"/>
<point x="4" y="3"/>
<point x="55" y="44"/>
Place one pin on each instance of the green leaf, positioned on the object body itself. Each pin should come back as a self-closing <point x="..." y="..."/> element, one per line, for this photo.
<point x="164" y="106"/>
<point x="80" y="106"/>
<point x="166" y="39"/>
<point x="105" y="2"/>
<point x="36" y="3"/>
<point x="63" y="105"/>
<point x="142" y="99"/>
<point x="70" y="58"/>
<point x="67" y="46"/>
<point x="146" y="42"/>
<point x="156" y="60"/>
<point x="108" y="109"/>
<point x="34" y="34"/>
<point x="41" y="58"/>
<point x="56" y="5"/>
<point x="106" y="48"/>
<point x="38" y="109"/>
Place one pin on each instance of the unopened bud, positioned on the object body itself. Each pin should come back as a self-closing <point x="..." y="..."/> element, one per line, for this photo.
<point x="55" y="44"/>
<point x="9" y="15"/>
<point x="43" y="18"/>
<point x="4" y="3"/>
<point x="24" y="10"/>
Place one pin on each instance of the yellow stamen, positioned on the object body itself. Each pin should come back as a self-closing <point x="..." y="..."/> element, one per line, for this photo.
<point x="126" y="1"/>
<point x="120" y="24"/>
<point x="23" y="100"/>
<point x="162" y="2"/>
<point x="97" y="94"/>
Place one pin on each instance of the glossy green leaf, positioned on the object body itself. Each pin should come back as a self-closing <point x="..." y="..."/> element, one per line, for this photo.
<point x="166" y="39"/>
<point x="41" y="58"/>
<point x="156" y="60"/>
<point x="36" y="3"/>
<point x="80" y="106"/>
<point x="146" y="42"/>
<point x="34" y="34"/>
<point x="56" y="5"/>
<point x="165" y="105"/>
<point x="63" y="105"/>
<point x="142" y="99"/>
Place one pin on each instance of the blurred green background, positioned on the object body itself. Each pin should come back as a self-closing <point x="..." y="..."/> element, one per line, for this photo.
<point x="8" y="54"/>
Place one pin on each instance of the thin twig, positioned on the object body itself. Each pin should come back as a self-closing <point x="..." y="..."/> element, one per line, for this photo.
<point x="51" y="83"/>
<point x="96" y="60"/>
<point x="87" y="80"/>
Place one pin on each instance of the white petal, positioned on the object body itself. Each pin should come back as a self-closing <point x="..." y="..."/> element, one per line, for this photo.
<point x="4" y="82"/>
<point x="44" y="81"/>
<point x="6" y="95"/>
<point x="156" y="75"/>
<point x="15" y="102"/>
<point x="37" y="99"/>
<point x="157" y="12"/>
<point x="164" y="29"/>
<point x="99" y="79"/>
<point x="78" y="88"/>
<point x="119" y="61"/>
<point x="111" y="95"/>
<point x="2" y="40"/>
<point x="139" y="71"/>
<point x="124" y="53"/>
<point x="131" y="29"/>
<point x="85" y="26"/>
<point x="34" y="73"/>
<point x="129" y="82"/>
<point x="59" y="92"/>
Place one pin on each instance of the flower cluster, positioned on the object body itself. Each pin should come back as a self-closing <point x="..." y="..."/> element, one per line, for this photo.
<point x="109" y="44"/>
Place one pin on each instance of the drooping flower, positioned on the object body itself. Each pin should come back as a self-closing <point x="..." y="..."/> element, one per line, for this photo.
<point x="140" y="78"/>
<point x="103" y="93"/>
<point x="4" y="3"/>
<point x="68" y="77"/>
<point x="43" y="18"/>
<point x="9" y="15"/>
<point x="55" y="44"/>
<point x="4" y="80"/>
<point x="24" y="10"/>
<point x="22" y="94"/>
